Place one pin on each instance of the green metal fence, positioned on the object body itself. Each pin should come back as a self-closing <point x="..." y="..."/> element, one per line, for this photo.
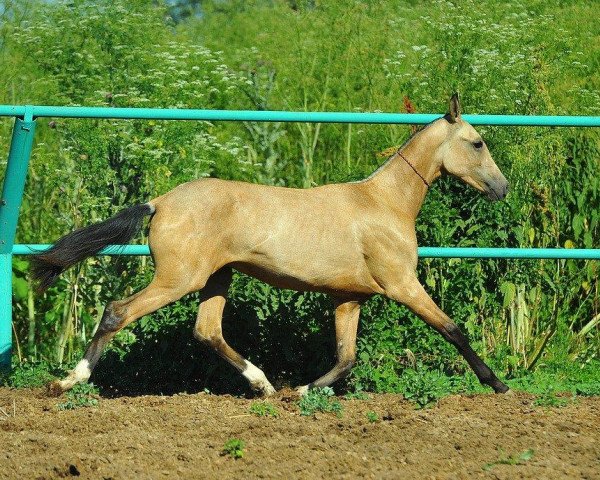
<point x="22" y="141"/>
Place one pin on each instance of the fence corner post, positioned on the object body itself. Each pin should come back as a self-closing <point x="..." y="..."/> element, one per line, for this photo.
<point x="5" y="311"/>
<point x="10" y="204"/>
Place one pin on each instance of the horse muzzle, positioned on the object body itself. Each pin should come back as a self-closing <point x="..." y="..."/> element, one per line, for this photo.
<point x="496" y="189"/>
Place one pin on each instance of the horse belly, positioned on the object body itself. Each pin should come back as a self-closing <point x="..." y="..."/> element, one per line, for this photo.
<point x="301" y="280"/>
<point x="311" y="262"/>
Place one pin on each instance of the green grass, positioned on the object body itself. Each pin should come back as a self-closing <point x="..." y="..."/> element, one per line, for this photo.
<point x="550" y="399"/>
<point x="31" y="374"/>
<point x="357" y="395"/>
<point x="555" y="385"/>
<point x="424" y="387"/>
<point x="574" y="378"/>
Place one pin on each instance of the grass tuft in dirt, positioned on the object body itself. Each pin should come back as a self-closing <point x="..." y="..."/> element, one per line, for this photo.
<point x="517" y="459"/>
<point x="320" y="400"/>
<point x="234" y="447"/>
<point x="264" y="409"/>
<point x="424" y="387"/>
<point x="81" y="395"/>
<point x="357" y="395"/>
<point x="31" y="374"/>
<point x="552" y="400"/>
<point x="372" y="417"/>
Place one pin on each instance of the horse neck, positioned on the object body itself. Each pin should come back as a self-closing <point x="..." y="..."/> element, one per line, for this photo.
<point x="402" y="182"/>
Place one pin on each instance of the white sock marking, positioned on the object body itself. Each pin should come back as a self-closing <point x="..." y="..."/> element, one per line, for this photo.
<point x="257" y="378"/>
<point x="80" y="373"/>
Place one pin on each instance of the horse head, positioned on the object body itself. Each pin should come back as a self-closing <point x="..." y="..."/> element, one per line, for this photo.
<point x="465" y="155"/>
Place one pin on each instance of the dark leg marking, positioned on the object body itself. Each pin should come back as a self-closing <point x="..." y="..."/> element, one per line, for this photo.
<point x="421" y="304"/>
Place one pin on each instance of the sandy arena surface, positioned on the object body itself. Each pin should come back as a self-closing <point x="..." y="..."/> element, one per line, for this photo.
<point x="182" y="436"/>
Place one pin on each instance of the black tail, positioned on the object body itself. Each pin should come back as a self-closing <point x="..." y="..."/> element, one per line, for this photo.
<point x="87" y="241"/>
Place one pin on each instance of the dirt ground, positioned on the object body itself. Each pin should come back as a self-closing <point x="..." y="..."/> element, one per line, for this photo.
<point x="183" y="436"/>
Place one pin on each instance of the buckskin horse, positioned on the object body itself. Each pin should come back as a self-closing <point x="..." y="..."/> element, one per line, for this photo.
<point x="349" y="240"/>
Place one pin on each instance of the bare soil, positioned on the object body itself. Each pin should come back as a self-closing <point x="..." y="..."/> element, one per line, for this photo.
<point x="182" y="436"/>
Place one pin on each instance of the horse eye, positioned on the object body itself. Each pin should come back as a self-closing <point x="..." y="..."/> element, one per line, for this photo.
<point x="478" y="144"/>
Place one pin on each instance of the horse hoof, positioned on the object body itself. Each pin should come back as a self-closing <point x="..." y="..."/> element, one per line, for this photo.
<point x="54" y="389"/>
<point x="267" y="391"/>
<point x="264" y="389"/>
<point x="499" y="387"/>
<point x="303" y="390"/>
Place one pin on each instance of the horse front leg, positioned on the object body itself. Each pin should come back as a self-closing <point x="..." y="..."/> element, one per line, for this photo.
<point x="412" y="294"/>
<point x="346" y="325"/>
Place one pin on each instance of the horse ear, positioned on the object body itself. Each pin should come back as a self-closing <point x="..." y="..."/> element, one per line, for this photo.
<point x="454" y="111"/>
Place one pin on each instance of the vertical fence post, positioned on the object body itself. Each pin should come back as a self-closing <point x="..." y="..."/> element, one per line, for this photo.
<point x="10" y="204"/>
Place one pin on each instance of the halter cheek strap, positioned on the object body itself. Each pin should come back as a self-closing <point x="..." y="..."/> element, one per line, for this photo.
<point x="413" y="168"/>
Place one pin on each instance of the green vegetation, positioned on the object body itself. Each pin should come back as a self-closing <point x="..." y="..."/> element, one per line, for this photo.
<point x="319" y="400"/>
<point x="517" y="459"/>
<point x="550" y="399"/>
<point x="234" y="447"/>
<point x="31" y="375"/>
<point x="356" y="395"/>
<point x="372" y="417"/>
<point x="423" y="387"/>
<point x="81" y="395"/>
<point x="535" y="322"/>
<point x="264" y="409"/>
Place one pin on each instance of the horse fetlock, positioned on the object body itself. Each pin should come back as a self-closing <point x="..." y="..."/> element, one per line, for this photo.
<point x="453" y="334"/>
<point x="346" y="366"/>
<point x="198" y="336"/>
<point x="112" y="320"/>
<point x="488" y="378"/>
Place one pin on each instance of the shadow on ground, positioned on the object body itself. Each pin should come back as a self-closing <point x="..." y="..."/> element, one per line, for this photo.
<point x="167" y="359"/>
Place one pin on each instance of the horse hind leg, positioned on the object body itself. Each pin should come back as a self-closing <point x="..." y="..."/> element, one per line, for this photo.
<point x="208" y="330"/>
<point x="117" y="315"/>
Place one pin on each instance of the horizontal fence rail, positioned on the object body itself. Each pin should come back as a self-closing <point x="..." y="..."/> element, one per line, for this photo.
<point x="22" y="141"/>
<point x="281" y="116"/>
<point x="424" y="252"/>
